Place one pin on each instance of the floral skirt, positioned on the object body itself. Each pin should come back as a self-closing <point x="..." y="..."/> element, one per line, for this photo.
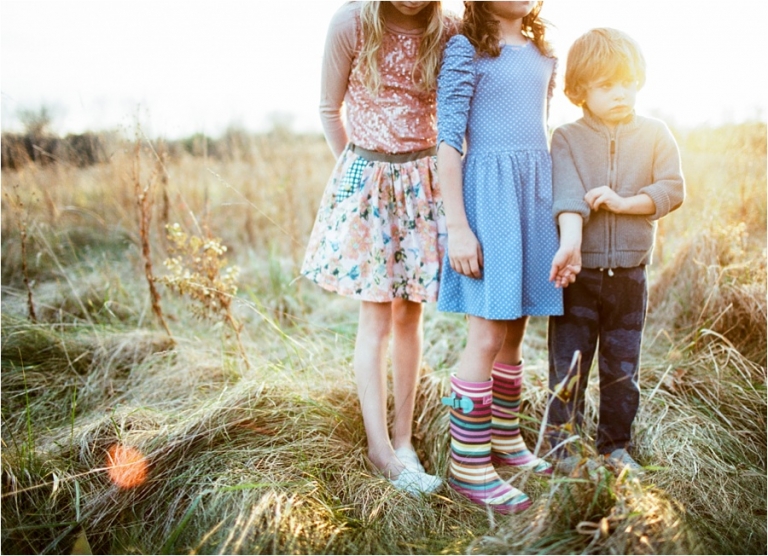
<point x="380" y="232"/>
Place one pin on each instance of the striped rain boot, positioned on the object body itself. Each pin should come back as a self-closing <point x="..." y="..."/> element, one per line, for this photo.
<point x="471" y="472"/>
<point x="507" y="444"/>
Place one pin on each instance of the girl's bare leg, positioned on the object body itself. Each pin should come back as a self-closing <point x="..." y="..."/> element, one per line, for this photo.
<point x="371" y="344"/>
<point x="406" y="361"/>
<point x="512" y="351"/>
<point x="484" y="341"/>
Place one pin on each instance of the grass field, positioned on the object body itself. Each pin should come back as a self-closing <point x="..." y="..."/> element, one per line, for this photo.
<point x="211" y="423"/>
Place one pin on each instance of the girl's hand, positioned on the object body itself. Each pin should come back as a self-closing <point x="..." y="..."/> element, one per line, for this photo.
<point x="566" y="264"/>
<point x="606" y="198"/>
<point x="465" y="253"/>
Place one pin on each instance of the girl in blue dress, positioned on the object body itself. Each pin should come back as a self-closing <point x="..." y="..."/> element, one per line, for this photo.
<point x="494" y="87"/>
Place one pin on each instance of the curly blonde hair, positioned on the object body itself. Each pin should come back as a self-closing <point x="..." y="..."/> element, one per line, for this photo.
<point x="602" y="53"/>
<point x="430" y="50"/>
<point x="481" y="27"/>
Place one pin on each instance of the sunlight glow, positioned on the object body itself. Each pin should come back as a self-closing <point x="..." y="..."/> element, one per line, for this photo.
<point x="209" y="65"/>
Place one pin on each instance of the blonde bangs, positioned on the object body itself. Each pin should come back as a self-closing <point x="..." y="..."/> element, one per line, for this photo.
<point x="602" y="54"/>
<point x="427" y="66"/>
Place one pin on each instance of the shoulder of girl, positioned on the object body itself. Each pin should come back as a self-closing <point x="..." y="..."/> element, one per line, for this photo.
<point x="346" y="16"/>
<point x="459" y="44"/>
<point x="344" y="23"/>
<point x="452" y="24"/>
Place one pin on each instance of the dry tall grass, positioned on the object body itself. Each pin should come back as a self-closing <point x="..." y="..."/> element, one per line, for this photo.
<point x="270" y="459"/>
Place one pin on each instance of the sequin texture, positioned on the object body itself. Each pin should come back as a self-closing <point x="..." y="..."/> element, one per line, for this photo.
<point x="401" y="118"/>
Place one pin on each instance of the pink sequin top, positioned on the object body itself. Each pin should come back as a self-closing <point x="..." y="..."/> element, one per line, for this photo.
<point x="401" y="118"/>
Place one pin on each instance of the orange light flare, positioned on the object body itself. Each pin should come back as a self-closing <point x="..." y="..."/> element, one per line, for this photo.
<point x="126" y="466"/>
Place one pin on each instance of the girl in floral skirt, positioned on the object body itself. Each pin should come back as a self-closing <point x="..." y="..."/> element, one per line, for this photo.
<point x="379" y="234"/>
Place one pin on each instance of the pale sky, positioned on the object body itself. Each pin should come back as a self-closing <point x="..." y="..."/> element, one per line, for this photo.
<point x="200" y="66"/>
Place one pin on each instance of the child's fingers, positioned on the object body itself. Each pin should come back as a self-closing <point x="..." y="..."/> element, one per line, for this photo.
<point x="567" y="277"/>
<point x="474" y="268"/>
<point x="557" y="266"/>
<point x="469" y="267"/>
<point x="557" y="274"/>
<point x="552" y="272"/>
<point x="465" y="266"/>
<point x="596" y="197"/>
<point x="456" y="265"/>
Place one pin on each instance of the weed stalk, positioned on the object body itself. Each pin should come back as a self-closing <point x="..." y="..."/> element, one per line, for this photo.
<point x="24" y="268"/>
<point x="144" y="204"/>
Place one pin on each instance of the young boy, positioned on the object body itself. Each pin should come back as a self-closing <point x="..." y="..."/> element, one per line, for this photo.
<point x="615" y="174"/>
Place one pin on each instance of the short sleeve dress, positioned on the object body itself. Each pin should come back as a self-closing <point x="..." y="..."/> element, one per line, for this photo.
<point x="497" y="107"/>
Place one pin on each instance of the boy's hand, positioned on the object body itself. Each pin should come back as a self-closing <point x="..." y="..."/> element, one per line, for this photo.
<point x="565" y="265"/>
<point x="465" y="253"/>
<point x="606" y="198"/>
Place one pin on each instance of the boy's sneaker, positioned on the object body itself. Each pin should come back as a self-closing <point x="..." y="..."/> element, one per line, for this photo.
<point x="619" y="459"/>
<point x="569" y="464"/>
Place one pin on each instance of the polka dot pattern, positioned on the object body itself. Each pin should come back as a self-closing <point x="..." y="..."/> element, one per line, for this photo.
<point x="499" y="107"/>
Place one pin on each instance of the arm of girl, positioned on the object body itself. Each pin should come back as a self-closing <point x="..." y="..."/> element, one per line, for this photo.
<point x="464" y="251"/>
<point x="455" y="87"/>
<point x="337" y="66"/>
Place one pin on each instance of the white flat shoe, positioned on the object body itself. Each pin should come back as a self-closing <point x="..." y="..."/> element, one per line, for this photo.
<point x="409" y="459"/>
<point x="416" y="482"/>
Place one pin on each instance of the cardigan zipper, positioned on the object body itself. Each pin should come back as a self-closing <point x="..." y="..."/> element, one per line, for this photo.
<point x="611" y="216"/>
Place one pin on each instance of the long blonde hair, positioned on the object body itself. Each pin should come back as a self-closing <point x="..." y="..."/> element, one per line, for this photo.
<point x="430" y="50"/>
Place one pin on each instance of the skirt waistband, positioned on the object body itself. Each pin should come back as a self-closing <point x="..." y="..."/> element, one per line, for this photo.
<point x="373" y="156"/>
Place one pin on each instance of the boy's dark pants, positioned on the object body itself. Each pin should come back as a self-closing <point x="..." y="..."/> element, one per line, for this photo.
<point x="609" y="311"/>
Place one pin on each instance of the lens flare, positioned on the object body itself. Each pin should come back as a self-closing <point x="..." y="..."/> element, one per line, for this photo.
<point x="127" y="466"/>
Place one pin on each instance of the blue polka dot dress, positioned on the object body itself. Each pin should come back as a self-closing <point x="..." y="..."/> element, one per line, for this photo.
<point x="499" y="107"/>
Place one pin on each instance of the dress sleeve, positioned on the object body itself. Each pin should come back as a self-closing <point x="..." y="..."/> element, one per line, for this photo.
<point x="337" y="65"/>
<point x="455" y="87"/>
<point x="552" y="85"/>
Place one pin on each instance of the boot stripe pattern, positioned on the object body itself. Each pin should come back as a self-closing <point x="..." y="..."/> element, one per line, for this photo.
<point x="471" y="472"/>
<point x="507" y="443"/>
